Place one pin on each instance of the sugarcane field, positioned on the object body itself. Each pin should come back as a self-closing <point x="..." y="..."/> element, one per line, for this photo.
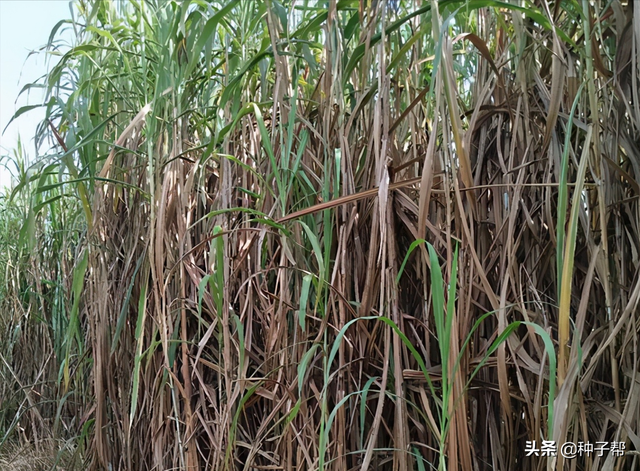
<point x="320" y="235"/>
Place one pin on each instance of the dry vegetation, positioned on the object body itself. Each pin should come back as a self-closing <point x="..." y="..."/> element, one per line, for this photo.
<point x="333" y="235"/>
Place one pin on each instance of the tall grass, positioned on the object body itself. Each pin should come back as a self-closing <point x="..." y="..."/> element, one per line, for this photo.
<point x="327" y="236"/>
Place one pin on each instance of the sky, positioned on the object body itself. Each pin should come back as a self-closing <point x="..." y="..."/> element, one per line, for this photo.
<point x="25" y="26"/>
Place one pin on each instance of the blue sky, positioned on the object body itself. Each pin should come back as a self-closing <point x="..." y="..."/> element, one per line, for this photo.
<point x="25" y="26"/>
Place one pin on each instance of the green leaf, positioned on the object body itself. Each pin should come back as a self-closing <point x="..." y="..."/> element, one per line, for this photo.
<point x="207" y="31"/>
<point x="304" y="365"/>
<point x="412" y="247"/>
<point x="304" y="296"/>
<point x="315" y="244"/>
<point x="363" y="407"/>
<point x="74" y="324"/>
<point x="22" y="110"/>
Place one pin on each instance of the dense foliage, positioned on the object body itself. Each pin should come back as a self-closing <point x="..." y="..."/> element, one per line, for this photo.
<point x="327" y="235"/>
